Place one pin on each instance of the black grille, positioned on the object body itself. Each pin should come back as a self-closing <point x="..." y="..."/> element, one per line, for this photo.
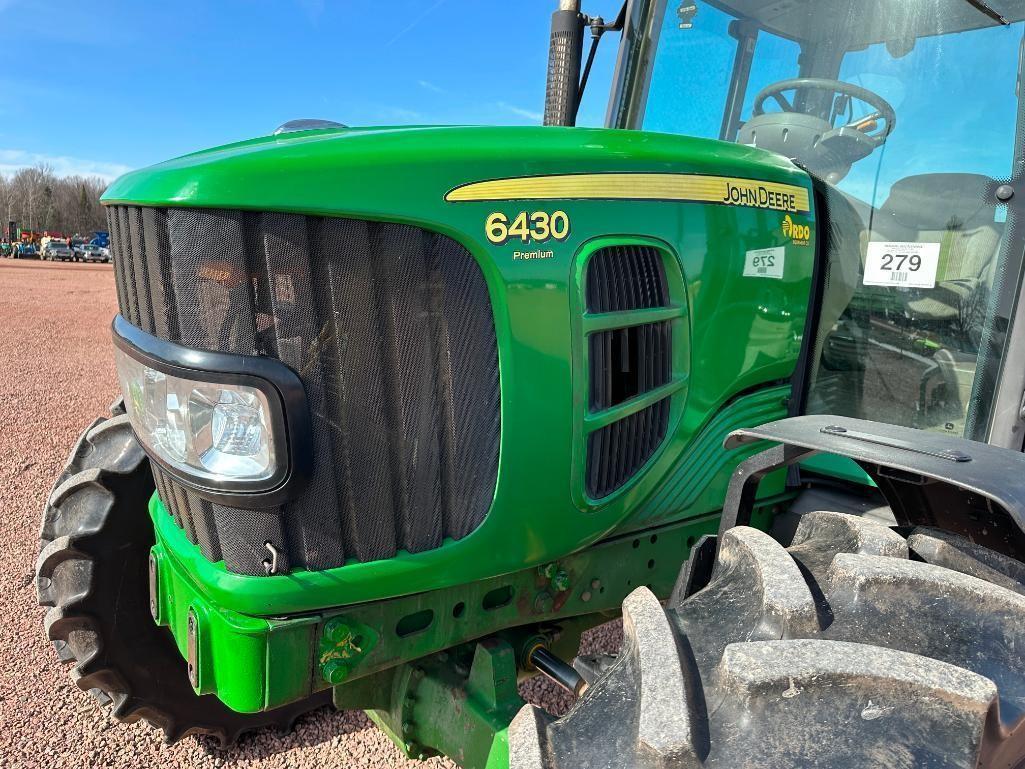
<point x="390" y="328"/>
<point x="626" y="362"/>
<point x="621" y="278"/>
<point x="617" y="451"/>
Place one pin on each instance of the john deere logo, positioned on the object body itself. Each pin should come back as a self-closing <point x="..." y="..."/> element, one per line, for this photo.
<point x="799" y="233"/>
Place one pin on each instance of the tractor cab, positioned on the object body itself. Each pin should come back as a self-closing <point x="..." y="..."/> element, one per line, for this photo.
<point x="907" y="114"/>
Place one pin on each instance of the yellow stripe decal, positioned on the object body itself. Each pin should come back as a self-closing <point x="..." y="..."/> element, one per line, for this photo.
<point x="691" y="188"/>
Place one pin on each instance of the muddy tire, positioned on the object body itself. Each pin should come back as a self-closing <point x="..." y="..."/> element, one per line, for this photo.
<point x="92" y="576"/>
<point x="854" y="647"/>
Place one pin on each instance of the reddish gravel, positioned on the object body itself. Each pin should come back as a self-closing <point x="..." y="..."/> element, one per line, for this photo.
<point x="57" y="375"/>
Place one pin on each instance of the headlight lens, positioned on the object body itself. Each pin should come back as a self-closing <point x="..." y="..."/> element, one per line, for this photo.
<point x="208" y="431"/>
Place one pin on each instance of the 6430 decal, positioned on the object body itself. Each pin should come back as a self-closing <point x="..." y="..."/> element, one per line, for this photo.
<point x="537" y="227"/>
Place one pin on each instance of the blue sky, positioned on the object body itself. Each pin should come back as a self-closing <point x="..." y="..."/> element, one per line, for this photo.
<point x="102" y="87"/>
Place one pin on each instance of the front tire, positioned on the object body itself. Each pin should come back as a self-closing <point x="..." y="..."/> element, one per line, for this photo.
<point x="854" y="647"/>
<point x="92" y="576"/>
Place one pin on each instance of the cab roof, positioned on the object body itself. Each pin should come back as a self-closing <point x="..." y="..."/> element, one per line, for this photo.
<point x="859" y="24"/>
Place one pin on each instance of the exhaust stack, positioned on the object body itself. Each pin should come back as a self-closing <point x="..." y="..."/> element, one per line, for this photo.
<point x="564" y="56"/>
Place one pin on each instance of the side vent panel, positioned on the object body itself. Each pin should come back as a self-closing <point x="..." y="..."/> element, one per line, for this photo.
<point x="628" y="360"/>
<point x="617" y="451"/>
<point x="625" y="278"/>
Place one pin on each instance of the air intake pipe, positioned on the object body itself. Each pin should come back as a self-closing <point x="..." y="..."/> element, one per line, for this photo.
<point x="564" y="56"/>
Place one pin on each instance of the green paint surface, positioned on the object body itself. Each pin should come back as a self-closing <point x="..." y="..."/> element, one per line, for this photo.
<point x="836" y="466"/>
<point x="253" y="663"/>
<point x="736" y="343"/>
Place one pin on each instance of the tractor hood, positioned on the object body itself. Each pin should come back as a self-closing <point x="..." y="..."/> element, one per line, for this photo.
<point x="499" y="269"/>
<point x="404" y="174"/>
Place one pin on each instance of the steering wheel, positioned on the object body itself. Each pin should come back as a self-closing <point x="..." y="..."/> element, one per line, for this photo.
<point x="808" y="133"/>
<point x="867" y="126"/>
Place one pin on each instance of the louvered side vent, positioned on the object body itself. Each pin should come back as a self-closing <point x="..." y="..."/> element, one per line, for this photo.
<point x="617" y="451"/>
<point x="625" y="278"/>
<point x="626" y="363"/>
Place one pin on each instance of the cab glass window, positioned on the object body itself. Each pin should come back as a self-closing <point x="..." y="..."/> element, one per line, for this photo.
<point x="907" y="118"/>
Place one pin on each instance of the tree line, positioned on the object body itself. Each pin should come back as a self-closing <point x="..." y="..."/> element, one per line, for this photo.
<point x="37" y="199"/>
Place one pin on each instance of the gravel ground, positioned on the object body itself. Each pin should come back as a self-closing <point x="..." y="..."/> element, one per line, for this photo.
<point x="56" y="375"/>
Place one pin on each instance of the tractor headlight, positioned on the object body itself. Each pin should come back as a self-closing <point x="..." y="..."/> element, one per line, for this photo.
<point x="210" y="431"/>
<point x="225" y="425"/>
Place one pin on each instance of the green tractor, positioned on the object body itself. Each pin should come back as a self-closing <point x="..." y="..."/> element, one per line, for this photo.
<point x="407" y="410"/>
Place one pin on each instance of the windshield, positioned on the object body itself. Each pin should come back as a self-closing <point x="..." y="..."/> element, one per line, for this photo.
<point x="907" y="117"/>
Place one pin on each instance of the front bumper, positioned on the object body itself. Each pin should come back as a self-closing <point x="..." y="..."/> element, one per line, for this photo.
<point x="254" y="663"/>
<point x="261" y="663"/>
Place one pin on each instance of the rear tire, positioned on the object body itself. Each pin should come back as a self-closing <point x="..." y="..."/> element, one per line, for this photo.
<point x="92" y="574"/>
<point x="839" y="651"/>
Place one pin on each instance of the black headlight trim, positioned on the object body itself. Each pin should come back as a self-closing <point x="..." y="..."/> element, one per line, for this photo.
<point x="290" y="413"/>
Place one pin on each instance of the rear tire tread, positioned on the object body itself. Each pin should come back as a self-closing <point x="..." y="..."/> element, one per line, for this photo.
<point x="912" y="663"/>
<point x="942" y="548"/>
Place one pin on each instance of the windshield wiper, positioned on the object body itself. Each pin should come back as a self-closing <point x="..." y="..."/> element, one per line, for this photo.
<point x="993" y="14"/>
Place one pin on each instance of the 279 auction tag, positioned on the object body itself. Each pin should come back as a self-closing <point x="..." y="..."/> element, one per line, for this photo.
<point x="907" y="265"/>
<point x="765" y="263"/>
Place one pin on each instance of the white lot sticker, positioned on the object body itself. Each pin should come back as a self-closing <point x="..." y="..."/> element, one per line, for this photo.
<point x="908" y="265"/>
<point x="765" y="263"/>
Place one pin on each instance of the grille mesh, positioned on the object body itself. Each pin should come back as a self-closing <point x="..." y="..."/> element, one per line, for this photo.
<point x="617" y="451"/>
<point x="621" y="278"/>
<point x="626" y="363"/>
<point x="390" y="329"/>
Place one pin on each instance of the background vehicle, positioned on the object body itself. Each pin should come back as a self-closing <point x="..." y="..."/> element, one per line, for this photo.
<point x="401" y="444"/>
<point x="88" y="252"/>
<point x="54" y="249"/>
<point x="24" y="251"/>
